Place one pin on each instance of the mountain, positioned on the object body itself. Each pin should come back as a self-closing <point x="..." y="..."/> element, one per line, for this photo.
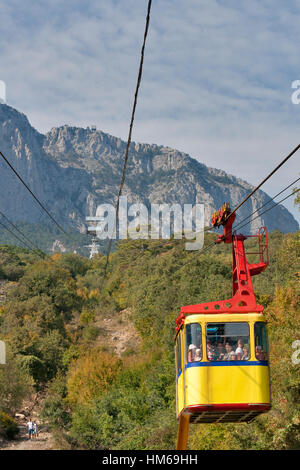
<point x="73" y="170"/>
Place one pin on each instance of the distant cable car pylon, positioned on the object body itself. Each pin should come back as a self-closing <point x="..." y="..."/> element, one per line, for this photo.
<point x="93" y="247"/>
<point x="94" y="231"/>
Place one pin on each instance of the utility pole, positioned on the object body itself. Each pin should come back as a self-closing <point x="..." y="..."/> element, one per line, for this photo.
<point x="94" y="231"/>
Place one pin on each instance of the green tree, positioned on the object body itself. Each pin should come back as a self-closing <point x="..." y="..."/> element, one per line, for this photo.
<point x="15" y="384"/>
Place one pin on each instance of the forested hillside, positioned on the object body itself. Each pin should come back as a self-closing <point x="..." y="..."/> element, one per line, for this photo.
<point x="105" y="359"/>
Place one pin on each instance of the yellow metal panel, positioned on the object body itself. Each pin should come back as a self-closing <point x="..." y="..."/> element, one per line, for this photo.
<point x="263" y="377"/>
<point x="227" y="384"/>
<point x="180" y="379"/>
<point x="223" y="317"/>
<point x="180" y="394"/>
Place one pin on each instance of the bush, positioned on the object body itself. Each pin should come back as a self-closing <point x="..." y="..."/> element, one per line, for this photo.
<point x="76" y="264"/>
<point x="8" y="426"/>
<point x="15" y="384"/>
<point x="33" y="366"/>
<point x="91" y="375"/>
<point x="12" y="272"/>
<point x="54" y="410"/>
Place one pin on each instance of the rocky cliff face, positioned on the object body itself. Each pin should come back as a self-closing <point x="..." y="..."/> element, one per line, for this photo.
<point x="73" y="170"/>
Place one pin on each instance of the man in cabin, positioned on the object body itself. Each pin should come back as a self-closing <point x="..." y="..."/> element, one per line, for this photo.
<point x="229" y="354"/>
<point x="246" y="353"/>
<point x="211" y="353"/>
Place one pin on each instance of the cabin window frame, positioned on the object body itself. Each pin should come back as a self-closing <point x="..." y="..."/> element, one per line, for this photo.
<point x="265" y="341"/>
<point x="178" y="354"/>
<point x="229" y="337"/>
<point x="188" y="343"/>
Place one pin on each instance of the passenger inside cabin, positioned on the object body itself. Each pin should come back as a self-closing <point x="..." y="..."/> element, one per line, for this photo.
<point x="197" y="355"/>
<point x="211" y="353"/>
<point x="260" y="354"/>
<point x="191" y="353"/>
<point x="246" y="354"/>
<point x="220" y="351"/>
<point x="239" y="349"/>
<point x="229" y="353"/>
<point x="239" y="356"/>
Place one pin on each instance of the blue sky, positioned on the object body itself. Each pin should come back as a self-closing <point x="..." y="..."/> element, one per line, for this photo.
<point x="216" y="83"/>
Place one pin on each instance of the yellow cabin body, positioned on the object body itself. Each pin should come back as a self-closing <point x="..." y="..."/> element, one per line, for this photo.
<point x="222" y="367"/>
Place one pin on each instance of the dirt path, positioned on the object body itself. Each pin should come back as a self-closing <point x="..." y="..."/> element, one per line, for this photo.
<point x="44" y="441"/>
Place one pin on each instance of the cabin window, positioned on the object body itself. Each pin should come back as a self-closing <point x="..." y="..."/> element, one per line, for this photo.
<point x="178" y="354"/>
<point x="261" y="344"/>
<point x="228" y="341"/>
<point x="193" y="342"/>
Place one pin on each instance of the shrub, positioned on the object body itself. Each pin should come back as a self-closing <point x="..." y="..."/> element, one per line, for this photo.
<point x="8" y="426"/>
<point x="54" y="410"/>
<point x="33" y="366"/>
<point x="15" y="384"/>
<point x="91" y="375"/>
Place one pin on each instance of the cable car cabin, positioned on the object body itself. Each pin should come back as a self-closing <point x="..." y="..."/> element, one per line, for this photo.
<point x="221" y="348"/>
<point x="222" y="367"/>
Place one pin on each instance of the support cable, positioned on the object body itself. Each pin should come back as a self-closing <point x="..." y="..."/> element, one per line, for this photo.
<point x="239" y="225"/>
<point x="19" y="231"/>
<point x="130" y="132"/>
<point x="16" y="236"/>
<point x="267" y="177"/>
<point x="266" y="203"/>
<point x="32" y="194"/>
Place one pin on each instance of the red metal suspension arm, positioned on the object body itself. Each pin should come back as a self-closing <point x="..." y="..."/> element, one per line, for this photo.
<point x="243" y="297"/>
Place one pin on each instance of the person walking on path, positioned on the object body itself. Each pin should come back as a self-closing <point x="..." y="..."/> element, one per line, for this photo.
<point x="35" y="429"/>
<point x="30" y="428"/>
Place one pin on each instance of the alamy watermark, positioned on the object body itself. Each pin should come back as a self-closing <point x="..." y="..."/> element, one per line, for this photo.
<point x="161" y="222"/>
<point x="2" y="92"/>
<point x="296" y="354"/>
<point x="2" y="353"/>
<point x="296" y="94"/>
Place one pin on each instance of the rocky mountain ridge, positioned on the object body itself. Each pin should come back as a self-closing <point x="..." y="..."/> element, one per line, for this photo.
<point x="73" y="170"/>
